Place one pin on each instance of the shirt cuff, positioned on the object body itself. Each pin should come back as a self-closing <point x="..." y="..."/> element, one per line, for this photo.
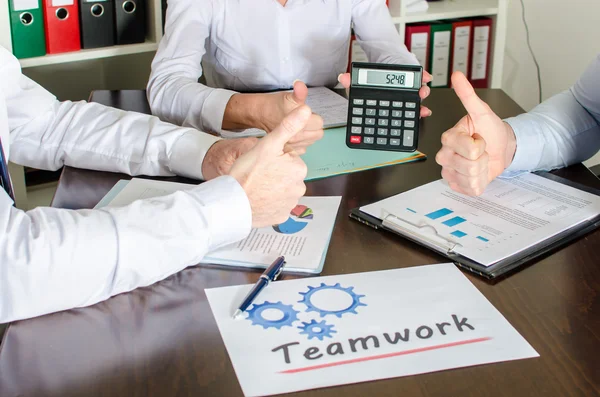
<point x="529" y="145"/>
<point x="213" y="110"/>
<point x="229" y="214"/>
<point x="188" y="153"/>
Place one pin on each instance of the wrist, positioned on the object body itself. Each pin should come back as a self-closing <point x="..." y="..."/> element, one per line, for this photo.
<point x="511" y="145"/>
<point x="188" y="154"/>
<point x="243" y="111"/>
<point x="208" y="163"/>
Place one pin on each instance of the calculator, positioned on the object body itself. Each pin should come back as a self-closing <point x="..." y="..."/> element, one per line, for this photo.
<point x="384" y="107"/>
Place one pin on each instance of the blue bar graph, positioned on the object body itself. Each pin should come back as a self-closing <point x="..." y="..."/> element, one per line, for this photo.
<point x="457" y="220"/>
<point x="411" y="210"/>
<point x="458" y="233"/>
<point x="483" y="239"/>
<point x="439" y="213"/>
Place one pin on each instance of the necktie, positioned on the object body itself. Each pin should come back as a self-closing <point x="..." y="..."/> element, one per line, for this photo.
<point x="4" y="175"/>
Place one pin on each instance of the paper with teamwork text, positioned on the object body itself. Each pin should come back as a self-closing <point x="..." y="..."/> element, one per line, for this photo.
<point x="303" y="238"/>
<point x="511" y="216"/>
<point x="326" y="331"/>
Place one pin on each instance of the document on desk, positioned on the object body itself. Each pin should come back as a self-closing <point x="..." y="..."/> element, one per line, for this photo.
<point x="303" y="239"/>
<point x="330" y="156"/>
<point x="332" y="107"/>
<point x="512" y="215"/>
<point x="320" y="332"/>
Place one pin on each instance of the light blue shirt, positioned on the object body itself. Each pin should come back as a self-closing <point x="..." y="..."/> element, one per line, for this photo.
<point x="563" y="130"/>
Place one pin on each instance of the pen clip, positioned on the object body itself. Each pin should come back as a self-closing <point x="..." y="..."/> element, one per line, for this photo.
<point x="279" y="272"/>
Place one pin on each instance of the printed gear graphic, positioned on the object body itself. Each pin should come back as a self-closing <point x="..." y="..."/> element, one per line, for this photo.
<point x="317" y="330"/>
<point x="312" y="308"/>
<point x="289" y="315"/>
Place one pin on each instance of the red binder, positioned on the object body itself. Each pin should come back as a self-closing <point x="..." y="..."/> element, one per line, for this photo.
<point x="417" y="40"/>
<point x="479" y="71"/>
<point x="460" y="47"/>
<point x="61" y="23"/>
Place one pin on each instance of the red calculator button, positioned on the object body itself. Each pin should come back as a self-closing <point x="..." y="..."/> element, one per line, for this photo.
<point x="354" y="139"/>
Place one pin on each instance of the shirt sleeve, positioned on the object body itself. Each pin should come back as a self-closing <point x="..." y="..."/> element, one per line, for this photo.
<point x="57" y="259"/>
<point x="47" y="134"/>
<point x="174" y="93"/>
<point x="377" y="34"/>
<point x="562" y="130"/>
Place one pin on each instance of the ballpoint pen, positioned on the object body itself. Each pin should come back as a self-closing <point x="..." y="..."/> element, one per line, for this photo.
<point x="269" y="275"/>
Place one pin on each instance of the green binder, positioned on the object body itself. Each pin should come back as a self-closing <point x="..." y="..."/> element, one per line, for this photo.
<point x="439" y="53"/>
<point x="27" y="26"/>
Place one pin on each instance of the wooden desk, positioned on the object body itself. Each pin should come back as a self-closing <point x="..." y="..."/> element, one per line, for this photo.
<point x="163" y="341"/>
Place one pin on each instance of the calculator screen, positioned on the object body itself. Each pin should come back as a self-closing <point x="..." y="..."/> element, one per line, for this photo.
<point x="386" y="78"/>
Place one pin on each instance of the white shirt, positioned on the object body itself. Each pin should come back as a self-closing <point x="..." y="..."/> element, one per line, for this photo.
<point x="258" y="45"/>
<point x="561" y="131"/>
<point x="55" y="259"/>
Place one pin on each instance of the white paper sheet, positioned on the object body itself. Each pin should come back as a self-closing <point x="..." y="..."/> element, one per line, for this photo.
<point x="418" y="46"/>
<point x="481" y="40"/>
<point x="138" y="189"/>
<point x="440" y="58"/>
<point x="60" y="3"/>
<point x="512" y="215"/>
<point x="303" y="239"/>
<point x="326" y="331"/>
<point x="333" y="108"/>
<point x="23" y="5"/>
<point x="462" y="41"/>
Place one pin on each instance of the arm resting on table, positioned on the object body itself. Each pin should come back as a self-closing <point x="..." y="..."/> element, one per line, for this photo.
<point x="56" y="259"/>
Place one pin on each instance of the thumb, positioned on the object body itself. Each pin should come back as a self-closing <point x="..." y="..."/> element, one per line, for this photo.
<point x="465" y="92"/>
<point x="293" y="123"/>
<point x="300" y="92"/>
<point x="345" y="79"/>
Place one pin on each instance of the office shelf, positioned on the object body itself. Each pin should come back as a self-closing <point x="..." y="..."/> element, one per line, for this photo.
<point x="84" y="55"/>
<point x="153" y="36"/>
<point x="448" y="9"/>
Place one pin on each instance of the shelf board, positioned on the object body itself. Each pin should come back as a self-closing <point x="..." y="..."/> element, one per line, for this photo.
<point x="451" y="9"/>
<point x="84" y="55"/>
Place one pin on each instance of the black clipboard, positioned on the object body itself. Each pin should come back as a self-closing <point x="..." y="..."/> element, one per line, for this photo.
<point x="499" y="268"/>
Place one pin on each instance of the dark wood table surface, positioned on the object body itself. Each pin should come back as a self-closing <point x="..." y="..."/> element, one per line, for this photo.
<point x="163" y="340"/>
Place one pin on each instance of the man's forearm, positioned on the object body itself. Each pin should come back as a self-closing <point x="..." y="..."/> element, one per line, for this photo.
<point x="556" y="133"/>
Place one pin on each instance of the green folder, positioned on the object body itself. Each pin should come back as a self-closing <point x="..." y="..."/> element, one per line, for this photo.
<point x="439" y="53"/>
<point x="27" y="26"/>
<point x="330" y="156"/>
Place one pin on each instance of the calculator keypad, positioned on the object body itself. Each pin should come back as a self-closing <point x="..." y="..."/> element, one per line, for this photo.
<point x="383" y="123"/>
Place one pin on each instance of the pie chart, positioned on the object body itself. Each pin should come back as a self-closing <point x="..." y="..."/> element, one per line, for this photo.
<point x="297" y="220"/>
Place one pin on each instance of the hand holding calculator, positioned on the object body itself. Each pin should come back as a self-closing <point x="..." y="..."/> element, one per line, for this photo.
<point x="384" y="105"/>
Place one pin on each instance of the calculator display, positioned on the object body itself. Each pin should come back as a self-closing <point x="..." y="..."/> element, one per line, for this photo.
<point x="386" y="78"/>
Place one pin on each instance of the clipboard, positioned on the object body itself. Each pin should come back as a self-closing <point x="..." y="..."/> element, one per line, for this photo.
<point x="428" y="237"/>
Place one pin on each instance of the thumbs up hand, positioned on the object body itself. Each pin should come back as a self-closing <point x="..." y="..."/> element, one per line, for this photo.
<point x="478" y="148"/>
<point x="277" y="105"/>
<point x="271" y="175"/>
